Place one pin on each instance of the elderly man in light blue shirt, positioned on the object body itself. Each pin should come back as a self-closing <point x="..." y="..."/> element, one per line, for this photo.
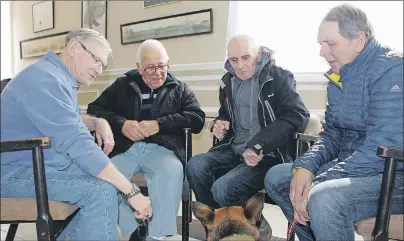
<point x="42" y="101"/>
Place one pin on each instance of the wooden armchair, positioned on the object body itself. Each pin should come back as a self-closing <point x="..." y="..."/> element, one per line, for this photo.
<point x="385" y="226"/>
<point x="51" y="217"/>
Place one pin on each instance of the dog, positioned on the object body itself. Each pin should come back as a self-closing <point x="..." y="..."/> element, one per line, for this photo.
<point x="244" y="222"/>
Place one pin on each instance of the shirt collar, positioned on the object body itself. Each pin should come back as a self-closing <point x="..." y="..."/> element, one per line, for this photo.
<point x="52" y="57"/>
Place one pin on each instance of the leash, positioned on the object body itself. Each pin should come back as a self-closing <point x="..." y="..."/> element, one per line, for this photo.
<point x="290" y="235"/>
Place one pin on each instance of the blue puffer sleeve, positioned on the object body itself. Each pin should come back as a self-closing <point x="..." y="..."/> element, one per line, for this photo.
<point x="325" y="149"/>
<point x="384" y="127"/>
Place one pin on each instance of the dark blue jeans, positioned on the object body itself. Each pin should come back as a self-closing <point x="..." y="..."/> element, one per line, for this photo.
<point x="220" y="178"/>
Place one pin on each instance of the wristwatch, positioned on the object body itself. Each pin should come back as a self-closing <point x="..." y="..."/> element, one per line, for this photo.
<point x="135" y="191"/>
<point x="257" y="149"/>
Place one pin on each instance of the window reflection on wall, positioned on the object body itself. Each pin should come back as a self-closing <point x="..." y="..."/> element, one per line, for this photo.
<point x="290" y="27"/>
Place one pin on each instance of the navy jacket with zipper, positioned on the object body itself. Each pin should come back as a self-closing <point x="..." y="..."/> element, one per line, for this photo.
<point x="364" y="111"/>
<point x="281" y="112"/>
<point x="175" y="108"/>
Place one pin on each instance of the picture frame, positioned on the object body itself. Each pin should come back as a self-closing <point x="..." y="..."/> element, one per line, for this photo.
<point x="94" y="16"/>
<point x="43" y="16"/>
<point x="152" y="3"/>
<point x="39" y="46"/>
<point x="173" y="26"/>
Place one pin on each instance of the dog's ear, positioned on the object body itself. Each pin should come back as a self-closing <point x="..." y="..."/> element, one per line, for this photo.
<point x="253" y="208"/>
<point x="202" y="212"/>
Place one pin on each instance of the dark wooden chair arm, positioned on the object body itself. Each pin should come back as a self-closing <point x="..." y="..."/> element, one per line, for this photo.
<point x="301" y="140"/>
<point x="25" y="144"/>
<point x="304" y="137"/>
<point x="386" y="152"/>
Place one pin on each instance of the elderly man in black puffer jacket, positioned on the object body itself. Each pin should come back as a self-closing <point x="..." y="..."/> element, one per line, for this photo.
<point x="148" y="109"/>
<point x="259" y="111"/>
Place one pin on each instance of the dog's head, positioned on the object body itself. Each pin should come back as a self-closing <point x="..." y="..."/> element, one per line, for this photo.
<point x="246" y="220"/>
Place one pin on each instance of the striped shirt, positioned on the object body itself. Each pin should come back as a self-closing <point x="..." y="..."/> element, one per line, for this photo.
<point x="148" y="96"/>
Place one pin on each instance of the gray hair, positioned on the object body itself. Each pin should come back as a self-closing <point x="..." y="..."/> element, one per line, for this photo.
<point x="85" y="34"/>
<point x="351" y="20"/>
<point x="150" y="44"/>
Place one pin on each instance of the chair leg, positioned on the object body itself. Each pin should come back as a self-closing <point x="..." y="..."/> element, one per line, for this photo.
<point x="185" y="210"/>
<point x="12" y="230"/>
<point x="381" y="228"/>
<point x="44" y="229"/>
<point x="44" y="222"/>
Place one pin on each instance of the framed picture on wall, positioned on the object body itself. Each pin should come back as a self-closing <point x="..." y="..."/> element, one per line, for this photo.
<point x="43" y="16"/>
<point x="173" y="26"/>
<point x="94" y="16"/>
<point x="39" y="46"/>
<point x="151" y="3"/>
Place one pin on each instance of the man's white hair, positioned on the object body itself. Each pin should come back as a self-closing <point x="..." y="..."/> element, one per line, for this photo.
<point x="85" y="34"/>
<point x="252" y="43"/>
<point x="150" y="44"/>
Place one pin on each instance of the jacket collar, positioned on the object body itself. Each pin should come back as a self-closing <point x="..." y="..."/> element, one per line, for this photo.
<point x="264" y="76"/>
<point x="361" y="62"/>
<point x="54" y="59"/>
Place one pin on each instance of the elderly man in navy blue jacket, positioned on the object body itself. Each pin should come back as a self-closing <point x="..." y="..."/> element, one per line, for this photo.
<point x="337" y="182"/>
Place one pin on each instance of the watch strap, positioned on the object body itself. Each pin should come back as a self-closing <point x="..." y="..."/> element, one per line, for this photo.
<point x="133" y="192"/>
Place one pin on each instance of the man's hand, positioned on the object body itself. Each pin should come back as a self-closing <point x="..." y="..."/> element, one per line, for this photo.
<point x="220" y="128"/>
<point x="300" y="187"/>
<point x="132" y="130"/>
<point x="142" y="206"/>
<point x="104" y="135"/>
<point x="150" y="126"/>
<point x="251" y="158"/>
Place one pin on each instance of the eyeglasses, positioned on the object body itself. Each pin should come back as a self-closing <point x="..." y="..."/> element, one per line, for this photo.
<point x="151" y="70"/>
<point x="96" y="59"/>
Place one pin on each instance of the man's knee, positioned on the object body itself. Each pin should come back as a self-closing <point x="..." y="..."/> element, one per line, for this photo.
<point x="226" y="193"/>
<point x="276" y="176"/>
<point x="325" y="203"/>
<point x="101" y="194"/>
<point x="196" y="165"/>
<point x="175" y="172"/>
<point x="122" y="161"/>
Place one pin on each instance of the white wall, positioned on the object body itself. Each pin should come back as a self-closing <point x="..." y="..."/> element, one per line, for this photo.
<point x="6" y="53"/>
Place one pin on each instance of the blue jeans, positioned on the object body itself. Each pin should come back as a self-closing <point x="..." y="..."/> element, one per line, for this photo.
<point x="97" y="199"/>
<point x="334" y="206"/>
<point x="220" y="178"/>
<point x="163" y="172"/>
